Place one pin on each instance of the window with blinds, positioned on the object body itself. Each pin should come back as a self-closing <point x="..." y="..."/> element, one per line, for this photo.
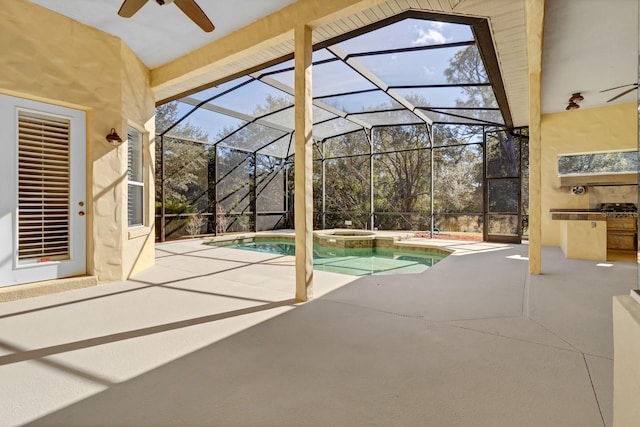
<point x="43" y="187"/>
<point x="135" y="177"/>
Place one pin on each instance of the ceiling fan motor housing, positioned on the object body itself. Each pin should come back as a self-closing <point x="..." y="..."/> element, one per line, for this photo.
<point x="188" y="7"/>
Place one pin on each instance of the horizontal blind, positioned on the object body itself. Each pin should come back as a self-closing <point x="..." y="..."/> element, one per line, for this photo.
<point x="43" y="187"/>
<point x="135" y="178"/>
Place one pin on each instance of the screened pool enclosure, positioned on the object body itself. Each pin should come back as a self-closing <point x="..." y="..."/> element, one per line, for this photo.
<point x="411" y="131"/>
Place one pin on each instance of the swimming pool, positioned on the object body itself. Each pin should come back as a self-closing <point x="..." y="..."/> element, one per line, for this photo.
<point x="352" y="261"/>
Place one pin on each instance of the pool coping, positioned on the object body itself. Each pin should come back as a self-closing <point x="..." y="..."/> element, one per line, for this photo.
<point x="341" y="239"/>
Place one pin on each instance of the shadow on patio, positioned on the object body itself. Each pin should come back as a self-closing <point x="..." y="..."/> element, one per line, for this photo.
<point x="210" y="336"/>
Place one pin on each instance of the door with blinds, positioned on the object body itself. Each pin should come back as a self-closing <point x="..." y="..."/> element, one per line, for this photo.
<point x="42" y="202"/>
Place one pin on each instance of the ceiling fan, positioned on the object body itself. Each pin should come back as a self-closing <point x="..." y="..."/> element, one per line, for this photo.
<point x="189" y="7"/>
<point x="634" y="86"/>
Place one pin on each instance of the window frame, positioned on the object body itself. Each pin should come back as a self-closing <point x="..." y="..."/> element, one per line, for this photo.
<point x="135" y="135"/>
<point x="562" y="173"/>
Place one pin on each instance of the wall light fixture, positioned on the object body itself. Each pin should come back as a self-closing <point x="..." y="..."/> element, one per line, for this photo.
<point x="113" y="137"/>
<point x="574" y="101"/>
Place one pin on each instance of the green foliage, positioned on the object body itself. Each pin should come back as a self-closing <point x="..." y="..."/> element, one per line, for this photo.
<point x="504" y="149"/>
<point x="185" y="165"/>
<point x="185" y="162"/>
<point x="611" y="162"/>
<point x="177" y="217"/>
<point x="402" y="178"/>
<point x="189" y="168"/>
<point x="167" y="116"/>
<point x="234" y="180"/>
<point x="467" y="67"/>
<point x="458" y="179"/>
<point x="172" y="206"/>
<point x="401" y="158"/>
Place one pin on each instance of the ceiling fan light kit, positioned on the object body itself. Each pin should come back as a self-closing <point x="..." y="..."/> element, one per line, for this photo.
<point x="576" y="98"/>
<point x="574" y="101"/>
<point x="188" y="7"/>
<point x="572" y="106"/>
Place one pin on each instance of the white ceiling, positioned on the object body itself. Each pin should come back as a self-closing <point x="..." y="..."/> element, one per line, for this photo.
<point x="158" y="34"/>
<point x="589" y="45"/>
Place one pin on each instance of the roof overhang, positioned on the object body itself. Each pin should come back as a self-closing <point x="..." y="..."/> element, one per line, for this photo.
<point x="500" y="30"/>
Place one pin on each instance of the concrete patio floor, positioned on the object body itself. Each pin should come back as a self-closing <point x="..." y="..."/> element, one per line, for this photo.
<point x="210" y="336"/>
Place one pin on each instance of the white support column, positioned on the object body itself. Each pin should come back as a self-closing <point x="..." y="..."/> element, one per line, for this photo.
<point x="303" y="203"/>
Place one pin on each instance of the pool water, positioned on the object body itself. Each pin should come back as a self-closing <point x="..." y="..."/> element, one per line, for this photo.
<point x="355" y="262"/>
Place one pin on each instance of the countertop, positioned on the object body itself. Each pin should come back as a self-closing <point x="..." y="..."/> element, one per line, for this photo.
<point x="573" y="214"/>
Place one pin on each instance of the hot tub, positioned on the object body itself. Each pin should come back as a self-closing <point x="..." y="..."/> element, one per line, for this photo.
<point x="345" y="239"/>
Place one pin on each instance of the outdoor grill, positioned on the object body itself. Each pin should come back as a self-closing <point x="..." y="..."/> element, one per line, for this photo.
<point x="619" y="210"/>
<point x="622" y="225"/>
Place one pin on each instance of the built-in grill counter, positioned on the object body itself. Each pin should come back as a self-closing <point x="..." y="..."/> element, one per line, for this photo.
<point x="605" y="182"/>
<point x="607" y="232"/>
<point x="622" y="226"/>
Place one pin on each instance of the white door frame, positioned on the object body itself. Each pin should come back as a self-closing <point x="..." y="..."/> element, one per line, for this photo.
<point x="12" y="272"/>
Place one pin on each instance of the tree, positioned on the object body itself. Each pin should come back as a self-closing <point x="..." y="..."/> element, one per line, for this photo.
<point x="402" y="176"/>
<point x="252" y="154"/>
<point x="185" y="169"/>
<point x="347" y="181"/>
<point x="503" y="147"/>
<point x="185" y="161"/>
<point x="401" y="158"/>
<point x="611" y="162"/>
<point x="467" y="67"/>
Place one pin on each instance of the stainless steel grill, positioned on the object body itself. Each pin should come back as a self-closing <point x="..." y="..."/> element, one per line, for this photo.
<point x="622" y="226"/>
<point x="619" y="210"/>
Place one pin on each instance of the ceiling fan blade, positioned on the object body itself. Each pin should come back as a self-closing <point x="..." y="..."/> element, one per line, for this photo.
<point x="622" y="94"/>
<point x="193" y="11"/>
<point x="618" y="87"/>
<point x="130" y="7"/>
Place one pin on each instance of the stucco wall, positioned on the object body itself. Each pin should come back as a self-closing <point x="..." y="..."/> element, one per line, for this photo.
<point x="593" y="129"/>
<point x="138" y="110"/>
<point x="50" y="58"/>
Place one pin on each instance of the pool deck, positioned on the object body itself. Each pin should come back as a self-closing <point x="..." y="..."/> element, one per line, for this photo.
<point x="211" y="336"/>
<point x="396" y="239"/>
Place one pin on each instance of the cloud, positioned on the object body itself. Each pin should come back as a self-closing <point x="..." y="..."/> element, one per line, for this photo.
<point x="430" y="36"/>
<point x="429" y="73"/>
<point x="438" y="24"/>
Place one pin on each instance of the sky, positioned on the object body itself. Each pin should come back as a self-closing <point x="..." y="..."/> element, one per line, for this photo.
<point x="400" y="68"/>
